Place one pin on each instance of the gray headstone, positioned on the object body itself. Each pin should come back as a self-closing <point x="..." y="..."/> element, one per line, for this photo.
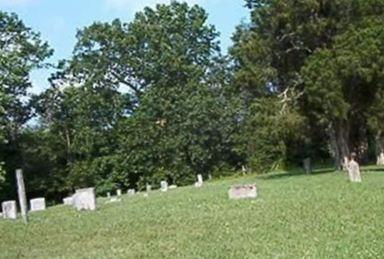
<point x="243" y="191"/>
<point x="131" y="192"/>
<point x="148" y="187"/>
<point x="118" y="192"/>
<point x="354" y="171"/>
<point x="164" y="186"/>
<point x="307" y="165"/>
<point x="37" y="204"/>
<point x="108" y="195"/>
<point x="68" y="201"/>
<point x="85" y="199"/>
<point x="9" y="209"/>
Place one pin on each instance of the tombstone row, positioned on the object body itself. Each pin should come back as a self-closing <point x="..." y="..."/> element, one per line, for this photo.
<point x="9" y="208"/>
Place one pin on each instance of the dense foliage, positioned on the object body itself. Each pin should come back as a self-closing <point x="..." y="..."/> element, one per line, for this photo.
<point x="152" y="99"/>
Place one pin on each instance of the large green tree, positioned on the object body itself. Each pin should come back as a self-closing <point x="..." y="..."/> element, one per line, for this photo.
<point x="21" y="51"/>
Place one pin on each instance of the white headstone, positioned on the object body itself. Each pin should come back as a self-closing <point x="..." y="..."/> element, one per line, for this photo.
<point x="200" y="178"/>
<point x="198" y="184"/>
<point x="37" y="204"/>
<point x="118" y="192"/>
<point x="164" y="186"/>
<point x="68" y="201"/>
<point x="131" y="192"/>
<point x="243" y="191"/>
<point x="148" y="187"/>
<point x="108" y="195"/>
<point x="9" y="209"/>
<point x="85" y="199"/>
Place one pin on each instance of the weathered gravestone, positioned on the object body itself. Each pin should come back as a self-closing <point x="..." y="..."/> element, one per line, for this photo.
<point x="148" y="187"/>
<point x="9" y="209"/>
<point x="85" y="199"/>
<point x="37" y="204"/>
<point x="307" y="165"/>
<point x="380" y="158"/>
<point x="243" y="191"/>
<point x="131" y="192"/>
<point x="172" y="187"/>
<point x="68" y="201"/>
<point x="200" y="181"/>
<point x="354" y="169"/>
<point x="118" y="192"/>
<point x="108" y="195"/>
<point x="163" y="186"/>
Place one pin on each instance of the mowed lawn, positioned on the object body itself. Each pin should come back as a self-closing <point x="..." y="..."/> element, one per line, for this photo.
<point x="299" y="216"/>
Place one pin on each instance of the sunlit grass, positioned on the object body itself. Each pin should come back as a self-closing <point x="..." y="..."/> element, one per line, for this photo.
<point x="295" y="216"/>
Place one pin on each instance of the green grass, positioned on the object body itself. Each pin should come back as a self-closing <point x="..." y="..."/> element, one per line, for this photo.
<point x="295" y="216"/>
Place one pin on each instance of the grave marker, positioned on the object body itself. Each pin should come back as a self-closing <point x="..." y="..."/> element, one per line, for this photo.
<point x="85" y="199"/>
<point x="243" y="191"/>
<point x="37" y="204"/>
<point x="9" y="209"/>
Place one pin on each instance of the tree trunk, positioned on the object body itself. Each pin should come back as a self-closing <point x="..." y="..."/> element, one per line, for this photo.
<point x="339" y="140"/>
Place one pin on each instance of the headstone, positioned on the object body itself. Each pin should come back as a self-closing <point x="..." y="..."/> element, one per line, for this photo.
<point x="210" y="177"/>
<point x="9" y="209"/>
<point x="85" y="199"/>
<point x="22" y="195"/>
<point x="243" y="191"/>
<point x="198" y="184"/>
<point x="307" y="165"/>
<point x="108" y="195"/>
<point x="148" y="187"/>
<point x="37" y="204"/>
<point x="68" y="201"/>
<point x="354" y="171"/>
<point x="145" y="195"/>
<point x="200" y="178"/>
<point x="243" y="169"/>
<point x="171" y="187"/>
<point x="118" y="192"/>
<point x="114" y="199"/>
<point x="380" y="159"/>
<point x="131" y="192"/>
<point x="163" y="186"/>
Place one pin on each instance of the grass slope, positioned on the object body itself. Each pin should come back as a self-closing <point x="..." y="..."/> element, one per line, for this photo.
<point x="317" y="216"/>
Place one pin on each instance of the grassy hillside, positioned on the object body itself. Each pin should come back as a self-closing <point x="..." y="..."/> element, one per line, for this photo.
<point x="299" y="216"/>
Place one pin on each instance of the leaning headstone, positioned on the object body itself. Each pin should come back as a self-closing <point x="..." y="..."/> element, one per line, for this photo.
<point x="37" y="204"/>
<point x="163" y="186"/>
<point x="131" y="192"/>
<point x="85" y="199"/>
<point x="9" y="209"/>
<point x="68" y="201"/>
<point x="307" y="165"/>
<point x="118" y="192"/>
<point x="243" y="191"/>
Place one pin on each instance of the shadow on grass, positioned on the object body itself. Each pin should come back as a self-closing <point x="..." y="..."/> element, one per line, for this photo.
<point x="296" y="172"/>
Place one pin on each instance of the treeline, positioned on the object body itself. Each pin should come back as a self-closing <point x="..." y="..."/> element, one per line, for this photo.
<point x="155" y="99"/>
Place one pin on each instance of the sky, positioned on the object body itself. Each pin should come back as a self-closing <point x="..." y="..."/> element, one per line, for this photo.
<point x="59" y="20"/>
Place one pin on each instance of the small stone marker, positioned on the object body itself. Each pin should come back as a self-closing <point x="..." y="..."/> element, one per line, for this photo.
<point x="148" y="187"/>
<point x="243" y="191"/>
<point x="114" y="199"/>
<point x="85" y="199"/>
<point x="307" y="165"/>
<point x="108" y="195"/>
<point x="171" y="187"/>
<point x="131" y="192"/>
<point x="9" y="209"/>
<point x="210" y="177"/>
<point x="354" y="170"/>
<point x="200" y="178"/>
<point x="68" y="201"/>
<point x="37" y="204"/>
<point x="163" y="186"/>
<point x="118" y="192"/>
<point x="380" y="158"/>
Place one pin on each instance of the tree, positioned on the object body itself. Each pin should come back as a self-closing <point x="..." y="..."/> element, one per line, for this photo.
<point x="21" y="51"/>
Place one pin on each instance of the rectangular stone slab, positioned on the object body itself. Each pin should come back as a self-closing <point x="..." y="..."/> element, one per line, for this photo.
<point x="85" y="199"/>
<point x="68" y="201"/>
<point x="37" y="204"/>
<point x="248" y="191"/>
<point x="9" y="209"/>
